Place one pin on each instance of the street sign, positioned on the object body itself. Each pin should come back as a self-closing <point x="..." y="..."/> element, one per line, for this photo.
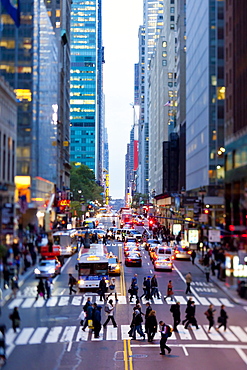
<point x="214" y="236"/>
<point x="193" y="236"/>
<point x="203" y="218"/>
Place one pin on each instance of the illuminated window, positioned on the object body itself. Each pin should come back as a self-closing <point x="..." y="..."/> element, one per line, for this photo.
<point x="221" y="93"/>
<point x="214" y="135"/>
<point x="164" y="54"/>
<point x="164" y="44"/>
<point x="170" y="75"/>
<point x="213" y="80"/>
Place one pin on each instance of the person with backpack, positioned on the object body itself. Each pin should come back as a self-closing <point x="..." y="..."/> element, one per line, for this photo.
<point x="175" y="310"/>
<point x="109" y="309"/>
<point x="166" y="332"/>
<point x="72" y="282"/>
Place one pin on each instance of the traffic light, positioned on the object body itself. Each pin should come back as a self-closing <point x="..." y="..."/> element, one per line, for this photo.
<point x="206" y="211"/>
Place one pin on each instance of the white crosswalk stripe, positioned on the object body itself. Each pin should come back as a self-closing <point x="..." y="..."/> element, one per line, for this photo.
<point x="81" y="300"/>
<point x="61" y="334"/>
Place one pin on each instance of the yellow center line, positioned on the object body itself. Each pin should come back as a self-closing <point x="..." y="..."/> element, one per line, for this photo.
<point x="130" y="356"/>
<point x="125" y="355"/>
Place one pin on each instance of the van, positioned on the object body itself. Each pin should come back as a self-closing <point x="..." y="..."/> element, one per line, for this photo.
<point x="162" y="251"/>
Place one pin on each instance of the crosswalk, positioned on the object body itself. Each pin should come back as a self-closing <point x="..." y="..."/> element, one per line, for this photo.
<point x="80" y="300"/>
<point x="74" y="333"/>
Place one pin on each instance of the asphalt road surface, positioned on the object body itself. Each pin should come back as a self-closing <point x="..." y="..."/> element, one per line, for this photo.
<point x="51" y="338"/>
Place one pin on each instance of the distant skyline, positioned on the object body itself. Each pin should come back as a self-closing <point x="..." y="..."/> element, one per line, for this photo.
<point x="120" y="21"/>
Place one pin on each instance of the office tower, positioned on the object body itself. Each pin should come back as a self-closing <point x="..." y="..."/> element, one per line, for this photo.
<point x="87" y="112"/>
<point x="205" y="94"/>
<point x="235" y="113"/>
<point x="28" y="61"/>
<point x="148" y="35"/>
<point x="181" y="91"/>
<point x="163" y="156"/>
<point x="8" y="123"/>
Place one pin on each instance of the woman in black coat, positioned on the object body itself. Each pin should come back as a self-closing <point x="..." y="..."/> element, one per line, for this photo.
<point x="151" y="325"/>
<point x="222" y="318"/>
<point x="15" y="318"/>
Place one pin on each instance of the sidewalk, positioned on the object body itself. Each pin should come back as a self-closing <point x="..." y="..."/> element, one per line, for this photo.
<point x="6" y="293"/>
<point x="229" y="291"/>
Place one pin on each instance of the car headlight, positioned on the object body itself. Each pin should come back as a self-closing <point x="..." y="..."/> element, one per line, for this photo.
<point x="36" y="271"/>
<point x="69" y="249"/>
<point x="81" y="282"/>
<point x="51" y="271"/>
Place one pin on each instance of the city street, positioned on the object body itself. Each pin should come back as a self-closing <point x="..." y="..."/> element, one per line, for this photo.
<point x="50" y="336"/>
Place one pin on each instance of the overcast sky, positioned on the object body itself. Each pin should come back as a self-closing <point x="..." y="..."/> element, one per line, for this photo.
<point x="121" y="21"/>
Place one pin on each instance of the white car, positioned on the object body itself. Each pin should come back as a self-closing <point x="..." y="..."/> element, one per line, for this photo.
<point x="48" y="268"/>
<point x="101" y="226"/>
<point x="163" y="263"/>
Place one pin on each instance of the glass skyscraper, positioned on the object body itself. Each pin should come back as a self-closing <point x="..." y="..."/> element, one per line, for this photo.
<point x="86" y="108"/>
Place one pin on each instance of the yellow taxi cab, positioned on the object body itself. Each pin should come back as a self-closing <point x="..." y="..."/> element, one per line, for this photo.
<point x="114" y="266"/>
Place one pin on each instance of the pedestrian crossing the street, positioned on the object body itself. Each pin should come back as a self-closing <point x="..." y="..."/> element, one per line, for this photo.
<point x="79" y="300"/>
<point x="59" y="334"/>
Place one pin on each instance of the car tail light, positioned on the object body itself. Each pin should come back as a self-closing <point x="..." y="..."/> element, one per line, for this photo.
<point x="172" y="257"/>
<point x="189" y="252"/>
<point x="169" y="264"/>
<point x="176" y="252"/>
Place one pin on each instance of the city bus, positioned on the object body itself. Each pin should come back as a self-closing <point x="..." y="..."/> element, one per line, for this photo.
<point x="91" y="222"/>
<point x="67" y="241"/>
<point x="92" y="265"/>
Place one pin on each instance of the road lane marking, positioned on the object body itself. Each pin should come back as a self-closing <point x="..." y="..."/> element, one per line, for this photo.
<point x="68" y="334"/>
<point x="10" y="337"/>
<point x="226" y="302"/>
<point x="180" y="298"/>
<point x="126" y="364"/>
<point x="199" y="333"/>
<point x="53" y="335"/>
<point x="82" y="335"/>
<point x="76" y="301"/>
<point x="204" y="301"/>
<point x="97" y="339"/>
<point x="69" y="346"/>
<point x="38" y="335"/>
<point x="238" y="331"/>
<point x="215" y="301"/>
<point x="185" y="351"/>
<point x="39" y="303"/>
<point x="15" y="303"/>
<point x="183" y="333"/>
<point x="124" y="331"/>
<point x="24" y="336"/>
<point x="213" y="335"/>
<point x="51" y="302"/>
<point x="230" y="337"/>
<point x="111" y="333"/>
<point x="242" y="354"/>
<point x="130" y="355"/>
<point x="182" y="277"/>
<point x="194" y="299"/>
<point x="28" y="303"/>
<point x="63" y="301"/>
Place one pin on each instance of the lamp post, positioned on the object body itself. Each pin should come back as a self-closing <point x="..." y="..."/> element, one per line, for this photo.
<point x="202" y="192"/>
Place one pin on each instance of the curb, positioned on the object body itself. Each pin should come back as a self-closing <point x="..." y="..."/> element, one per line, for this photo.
<point x="224" y="289"/>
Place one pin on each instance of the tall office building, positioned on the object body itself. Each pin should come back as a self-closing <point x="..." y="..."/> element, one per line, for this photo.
<point x="148" y="35"/>
<point x="28" y="61"/>
<point x="162" y="108"/>
<point x="236" y="112"/>
<point x="87" y="111"/>
<point x="205" y="94"/>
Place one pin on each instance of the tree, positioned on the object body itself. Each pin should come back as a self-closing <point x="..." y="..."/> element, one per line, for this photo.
<point x="83" y="184"/>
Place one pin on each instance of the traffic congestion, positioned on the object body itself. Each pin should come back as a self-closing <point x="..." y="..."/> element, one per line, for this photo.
<point x="126" y="284"/>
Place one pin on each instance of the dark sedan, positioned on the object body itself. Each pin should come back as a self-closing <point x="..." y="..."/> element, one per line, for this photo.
<point x="133" y="259"/>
